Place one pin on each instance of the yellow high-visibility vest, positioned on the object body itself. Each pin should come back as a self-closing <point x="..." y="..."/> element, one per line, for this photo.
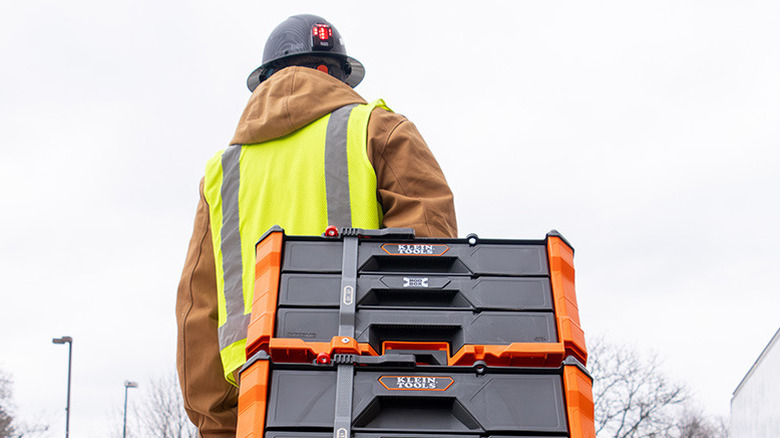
<point x="317" y="176"/>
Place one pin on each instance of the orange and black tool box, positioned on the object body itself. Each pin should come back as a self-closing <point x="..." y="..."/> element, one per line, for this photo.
<point x="373" y="333"/>
<point x="391" y="396"/>
<point x="370" y="292"/>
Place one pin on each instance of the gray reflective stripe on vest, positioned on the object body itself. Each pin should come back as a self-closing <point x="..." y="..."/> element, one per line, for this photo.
<point x="339" y="214"/>
<point x="336" y="168"/>
<point x="236" y="323"/>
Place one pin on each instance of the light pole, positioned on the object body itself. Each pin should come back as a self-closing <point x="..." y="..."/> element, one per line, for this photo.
<point x="66" y="340"/>
<point x="128" y="384"/>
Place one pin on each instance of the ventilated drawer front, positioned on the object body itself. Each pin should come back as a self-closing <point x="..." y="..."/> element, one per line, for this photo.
<point x="419" y="256"/>
<point x="405" y="290"/>
<point x="457" y="328"/>
<point x="413" y="402"/>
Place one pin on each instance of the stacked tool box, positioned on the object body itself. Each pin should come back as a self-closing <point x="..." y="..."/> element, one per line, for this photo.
<point x="373" y="333"/>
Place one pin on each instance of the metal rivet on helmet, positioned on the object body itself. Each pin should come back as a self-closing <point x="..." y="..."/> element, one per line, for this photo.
<point x="305" y="35"/>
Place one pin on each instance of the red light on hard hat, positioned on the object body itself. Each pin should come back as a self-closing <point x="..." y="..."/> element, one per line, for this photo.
<point x="322" y="31"/>
<point x="321" y="35"/>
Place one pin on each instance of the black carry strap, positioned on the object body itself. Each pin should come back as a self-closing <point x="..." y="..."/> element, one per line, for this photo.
<point x="345" y="364"/>
<point x="348" y="305"/>
<point x="345" y="371"/>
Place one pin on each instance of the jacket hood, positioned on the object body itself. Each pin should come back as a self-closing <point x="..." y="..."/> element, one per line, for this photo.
<point x="289" y="100"/>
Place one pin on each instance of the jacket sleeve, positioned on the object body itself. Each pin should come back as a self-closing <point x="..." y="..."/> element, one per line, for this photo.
<point x="210" y="401"/>
<point x="410" y="184"/>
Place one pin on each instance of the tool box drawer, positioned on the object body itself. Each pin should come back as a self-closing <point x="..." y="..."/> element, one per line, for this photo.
<point x="458" y="328"/>
<point x="430" y="256"/>
<point x="405" y="401"/>
<point x="459" y="292"/>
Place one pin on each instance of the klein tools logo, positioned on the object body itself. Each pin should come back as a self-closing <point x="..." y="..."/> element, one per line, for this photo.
<point x="415" y="249"/>
<point x="416" y="383"/>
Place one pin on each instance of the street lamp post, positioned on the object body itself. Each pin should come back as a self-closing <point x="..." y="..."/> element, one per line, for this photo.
<point x="128" y="384"/>
<point x="66" y="340"/>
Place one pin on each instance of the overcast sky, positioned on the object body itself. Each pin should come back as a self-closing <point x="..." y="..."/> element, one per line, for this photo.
<point x="646" y="132"/>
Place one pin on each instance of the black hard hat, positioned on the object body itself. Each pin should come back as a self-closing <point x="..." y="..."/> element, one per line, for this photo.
<point x="305" y="35"/>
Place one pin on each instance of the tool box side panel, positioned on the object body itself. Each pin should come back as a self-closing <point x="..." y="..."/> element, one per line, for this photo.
<point x="299" y="399"/>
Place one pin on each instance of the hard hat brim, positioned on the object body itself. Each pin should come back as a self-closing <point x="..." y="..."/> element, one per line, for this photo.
<point x="354" y="78"/>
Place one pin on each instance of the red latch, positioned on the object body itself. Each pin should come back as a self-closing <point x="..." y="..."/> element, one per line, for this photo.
<point x="323" y="358"/>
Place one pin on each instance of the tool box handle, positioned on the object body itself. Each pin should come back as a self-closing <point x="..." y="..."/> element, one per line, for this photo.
<point x="383" y="233"/>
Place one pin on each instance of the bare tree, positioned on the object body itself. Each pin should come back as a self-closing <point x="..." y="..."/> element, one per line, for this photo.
<point x="694" y="424"/>
<point x="10" y="425"/>
<point x="633" y="397"/>
<point x="7" y="428"/>
<point x="161" y="411"/>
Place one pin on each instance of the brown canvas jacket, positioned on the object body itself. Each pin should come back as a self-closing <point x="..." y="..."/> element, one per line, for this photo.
<point x="411" y="188"/>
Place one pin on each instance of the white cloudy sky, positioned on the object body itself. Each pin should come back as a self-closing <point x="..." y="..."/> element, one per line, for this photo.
<point x="646" y="132"/>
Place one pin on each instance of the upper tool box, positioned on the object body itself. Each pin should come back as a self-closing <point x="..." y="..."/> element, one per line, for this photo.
<point x="369" y="292"/>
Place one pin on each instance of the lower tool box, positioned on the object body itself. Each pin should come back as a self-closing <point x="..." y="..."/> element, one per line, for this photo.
<point x="442" y="402"/>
